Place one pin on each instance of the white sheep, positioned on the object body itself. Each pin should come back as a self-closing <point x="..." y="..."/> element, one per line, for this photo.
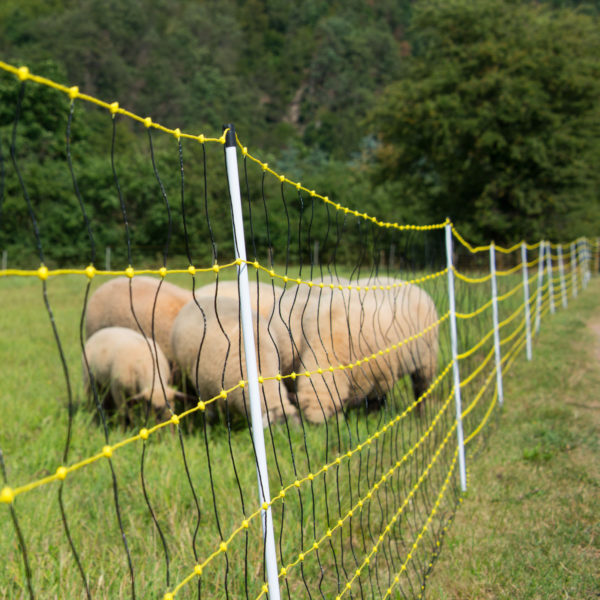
<point x="264" y="300"/>
<point x="125" y="363"/>
<point x="347" y="328"/>
<point x="208" y="346"/>
<point x="155" y="303"/>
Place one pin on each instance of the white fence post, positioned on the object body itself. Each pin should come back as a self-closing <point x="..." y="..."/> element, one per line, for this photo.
<point x="574" y="269"/>
<point x="526" y="298"/>
<point x="455" y="367"/>
<point x="496" y="330"/>
<point x="588" y="257"/>
<point x="251" y="365"/>
<point x="538" y="302"/>
<point x="550" y="282"/>
<point x="561" y="270"/>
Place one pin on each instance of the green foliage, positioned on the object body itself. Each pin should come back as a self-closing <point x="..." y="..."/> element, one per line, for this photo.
<point x="495" y="119"/>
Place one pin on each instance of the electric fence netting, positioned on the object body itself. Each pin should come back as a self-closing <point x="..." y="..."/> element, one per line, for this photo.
<point x="293" y="410"/>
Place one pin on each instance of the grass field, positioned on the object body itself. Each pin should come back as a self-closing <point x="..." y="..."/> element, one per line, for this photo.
<point x="180" y="494"/>
<point x="529" y="525"/>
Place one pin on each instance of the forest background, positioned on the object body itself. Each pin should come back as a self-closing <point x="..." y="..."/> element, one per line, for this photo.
<point x="487" y="112"/>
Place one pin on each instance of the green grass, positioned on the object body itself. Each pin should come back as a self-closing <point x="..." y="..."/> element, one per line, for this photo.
<point x="529" y="526"/>
<point x="34" y="409"/>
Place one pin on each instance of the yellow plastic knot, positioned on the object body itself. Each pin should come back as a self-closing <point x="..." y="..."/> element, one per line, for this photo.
<point x="168" y="596"/>
<point x="283" y="572"/>
<point x="256" y="264"/>
<point x="23" y="73"/>
<point x="238" y="261"/>
<point x="261" y="379"/>
<point x="272" y="273"/>
<point x="242" y="383"/>
<point x="348" y="585"/>
<point x="191" y="270"/>
<point x="310" y="476"/>
<point x="297" y="483"/>
<point x="163" y="271"/>
<point x="61" y="473"/>
<point x="201" y="405"/>
<point x="73" y="92"/>
<point x="201" y="138"/>
<point x="147" y="122"/>
<point x="282" y="178"/>
<point x="216" y="268"/>
<point x="198" y="570"/>
<point x="107" y="451"/>
<point x="265" y="166"/>
<point x="144" y="433"/>
<point x="313" y="193"/>
<point x="282" y="494"/>
<point x="7" y="495"/>
<point x="329" y="533"/>
<point x="293" y="376"/>
<point x="265" y="506"/>
<point x="298" y="186"/>
<point x="175" y="420"/>
<point x="223" y="547"/>
<point x="245" y="151"/>
<point x="177" y="133"/>
<point x="278" y="377"/>
<point x="245" y="524"/>
<point x="42" y="272"/>
<point x="114" y="107"/>
<point x="265" y="588"/>
<point x="129" y="272"/>
<point x="223" y="394"/>
<point x="315" y="545"/>
<point x="340" y="522"/>
<point x="301" y="556"/>
<point x="90" y="271"/>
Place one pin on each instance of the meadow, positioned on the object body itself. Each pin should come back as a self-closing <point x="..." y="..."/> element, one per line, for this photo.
<point x="375" y="494"/>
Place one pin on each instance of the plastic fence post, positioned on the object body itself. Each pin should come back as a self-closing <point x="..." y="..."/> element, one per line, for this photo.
<point x="588" y="260"/>
<point x="550" y="282"/>
<point x="561" y="270"/>
<point x="496" y="330"/>
<point x="574" y="269"/>
<point x="251" y="364"/>
<point x="455" y="367"/>
<point x="538" y="302"/>
<point x="526" y="298"/>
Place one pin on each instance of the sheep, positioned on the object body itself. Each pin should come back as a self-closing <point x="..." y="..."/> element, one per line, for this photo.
<point x="208" y="346"/>
<point x="128" y="364"/>
<point x="347" y="327"/>
<point x="264" y="300"/>
<point x="155" y="304"/>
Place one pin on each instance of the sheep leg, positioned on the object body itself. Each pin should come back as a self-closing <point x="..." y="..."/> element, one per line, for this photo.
<point x="420" y="384"/>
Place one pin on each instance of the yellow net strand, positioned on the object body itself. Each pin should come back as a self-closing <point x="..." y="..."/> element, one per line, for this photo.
<point x="311" y="476"/>
<point x="436" y="506"/>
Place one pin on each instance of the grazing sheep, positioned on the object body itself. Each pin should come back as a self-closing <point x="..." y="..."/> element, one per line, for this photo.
<point x="110" y="305"/>
<point x="348" y="327"/>
<point x="126" y="363"/>
<point x="264" y="299"/>
<point x="208" y="346"/>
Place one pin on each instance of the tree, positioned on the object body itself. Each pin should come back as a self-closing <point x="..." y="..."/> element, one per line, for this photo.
<point x="495" y="121"/>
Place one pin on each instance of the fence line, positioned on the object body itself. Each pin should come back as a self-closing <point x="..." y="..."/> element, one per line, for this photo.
<point x="364" y="460"/>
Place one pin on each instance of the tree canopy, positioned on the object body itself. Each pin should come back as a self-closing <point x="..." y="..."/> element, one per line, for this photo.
<point x="495" y="120"/>
<point x="485" y="111"/>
